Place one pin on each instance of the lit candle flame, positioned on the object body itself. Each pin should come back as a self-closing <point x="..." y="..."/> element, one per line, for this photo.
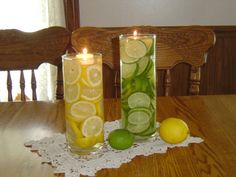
<point x="135" y="34"/>
<point x="85" y="51"/>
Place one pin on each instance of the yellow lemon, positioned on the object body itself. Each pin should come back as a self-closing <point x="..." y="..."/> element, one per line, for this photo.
<point x="91" y="93"/>
<point x="173" y="130"/>
<point x="86" y="142"/>
<point x="94" y="75"/>
<point x="72" y="92"/>
<point x="100" y="108"/>
<point x="71" y="71"/>
<point x="82" y="110"/>
<point x="100" y="138"/>
<point x="92" y="126"/>
<point x="72" y="127"/>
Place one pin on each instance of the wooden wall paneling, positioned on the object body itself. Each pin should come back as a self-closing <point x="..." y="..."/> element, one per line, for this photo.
<point x="219" y="73"/>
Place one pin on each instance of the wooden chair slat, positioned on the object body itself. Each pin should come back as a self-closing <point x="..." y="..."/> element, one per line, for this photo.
<point x="33" y="85"/>
<point x="195" y="77"/>
<point x="9" y="86"/>
<point x="22" y="85"/>
<point x="167" y="86"/>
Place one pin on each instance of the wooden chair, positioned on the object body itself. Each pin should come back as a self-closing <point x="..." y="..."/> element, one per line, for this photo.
<point x="22" y="50"/>
<point x="174" y="45"/>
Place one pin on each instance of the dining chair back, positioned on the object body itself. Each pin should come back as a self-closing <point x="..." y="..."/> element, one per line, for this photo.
<point x="174" y="45"/>
<point x="27" y="50"/>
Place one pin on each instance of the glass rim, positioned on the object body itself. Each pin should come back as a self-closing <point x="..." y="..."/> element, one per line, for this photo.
<point x="73" y="54"/>
<point x="138" y="34"/>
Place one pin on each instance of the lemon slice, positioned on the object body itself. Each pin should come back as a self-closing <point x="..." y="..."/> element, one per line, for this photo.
<point x="94" y="75"/>
<point x="135" y="48"/>
<point x="92" y="126"/>
<point x="86" y="142"/>
<point x="72" y="71"/>
<point x="72" y="128"/>
<point x="72" y="92"/>
<point x="82" y="110"/>
<point x="91" y="93"/>
<point x="139" y="99"/>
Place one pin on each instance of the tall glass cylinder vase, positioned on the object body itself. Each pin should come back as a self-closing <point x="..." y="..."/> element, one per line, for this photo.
<point x="138" y="84"/>
<point x="83" y="96"/>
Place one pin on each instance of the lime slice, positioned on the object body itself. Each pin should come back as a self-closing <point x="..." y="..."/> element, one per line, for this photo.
<point x="142" y="63"/>
<point x="91" y="93"/>
<point x="146" y="110"/>
<point x="71" y="71"/>
<point x="72" y="92"/>
<point x="139" y="99"/>
<point x="128" y="70"/>
<point x="138" y="117"/>
<point x="151" y="130"/>
<point x="135" y="48"/>
<point x="94" y="75"/>
<point x="92" y="126"/>
<point x="137" y="128"/>
<point x="148" y="42"/>
<point x="125" y="58"/>
<point x="123" y="55"/>
<point x="82" y="110"/>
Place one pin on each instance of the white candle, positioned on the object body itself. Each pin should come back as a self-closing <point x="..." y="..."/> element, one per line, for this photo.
<point x="85" y="57"/>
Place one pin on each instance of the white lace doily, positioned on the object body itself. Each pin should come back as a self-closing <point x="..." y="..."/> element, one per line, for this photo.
<point x="53" y="150"/>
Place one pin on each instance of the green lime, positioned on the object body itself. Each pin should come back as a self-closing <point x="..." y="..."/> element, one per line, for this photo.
<point x="138" y="128"/>
<point x="120" y="139"/>
<point x="173" y="130"/>
<point x="138" y="117"/>
<point x="128" y="70"/>
<point x="135" y="48"/>
<point x="139" y="99"/>
<point x="142" y="63"/>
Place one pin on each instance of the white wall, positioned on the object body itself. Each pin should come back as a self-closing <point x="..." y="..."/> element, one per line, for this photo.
<point x="157" y="12"/>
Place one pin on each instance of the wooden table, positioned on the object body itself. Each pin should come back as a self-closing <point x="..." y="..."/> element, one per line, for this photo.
<point x="211" y="117"/>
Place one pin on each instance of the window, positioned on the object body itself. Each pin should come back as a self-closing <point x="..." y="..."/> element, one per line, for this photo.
<point x="31" y="15"/>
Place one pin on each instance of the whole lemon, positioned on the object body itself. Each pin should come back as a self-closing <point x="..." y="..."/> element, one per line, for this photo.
<point x="173" y="130"/>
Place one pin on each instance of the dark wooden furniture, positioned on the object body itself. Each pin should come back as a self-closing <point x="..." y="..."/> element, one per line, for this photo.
<point x="209" y="117"/>
<point x="21" y="50"/>
<point x="174" y="45"/>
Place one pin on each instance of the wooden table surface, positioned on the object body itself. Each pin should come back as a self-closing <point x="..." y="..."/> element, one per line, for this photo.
<point x="211" y="117"/>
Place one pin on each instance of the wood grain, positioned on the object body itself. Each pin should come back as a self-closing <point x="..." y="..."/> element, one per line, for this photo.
<point x="209" y="117"/>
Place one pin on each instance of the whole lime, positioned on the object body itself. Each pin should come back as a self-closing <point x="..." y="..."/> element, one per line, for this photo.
<point x="120" y="139"/>
<point x="173" y="130"/>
